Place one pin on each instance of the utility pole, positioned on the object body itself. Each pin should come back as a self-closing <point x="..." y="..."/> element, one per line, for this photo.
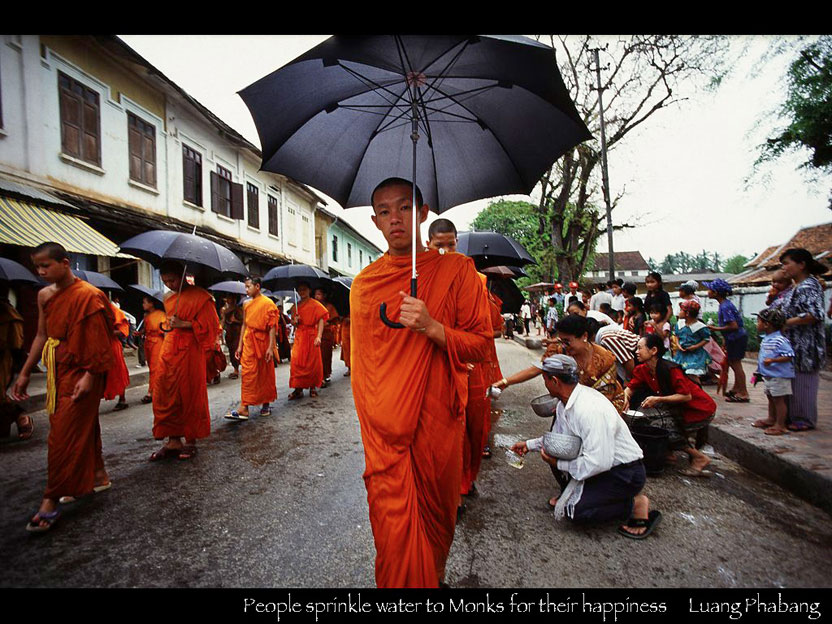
<point x="604" y="173"/>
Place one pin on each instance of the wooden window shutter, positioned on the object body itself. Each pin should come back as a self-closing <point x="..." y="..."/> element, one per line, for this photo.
<point x="134" y="140"/>
<point x="70" y="123"/>
<point x="215" y="191"/>
<point x="237" y="210"/>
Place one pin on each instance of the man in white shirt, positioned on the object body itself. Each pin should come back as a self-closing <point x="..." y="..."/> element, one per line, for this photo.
<point x="602" y="296"/>
<point x="606" y="479"/>
<point x="576" y="307"/>
<point x="526" y="314"/>
<point x="618" y="297"/>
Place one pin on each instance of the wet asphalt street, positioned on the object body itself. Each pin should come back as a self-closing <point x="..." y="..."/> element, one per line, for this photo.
<point x="279" y="501"/>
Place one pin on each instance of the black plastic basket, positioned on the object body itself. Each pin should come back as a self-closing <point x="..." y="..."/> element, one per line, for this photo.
<point x="654" y="442"/>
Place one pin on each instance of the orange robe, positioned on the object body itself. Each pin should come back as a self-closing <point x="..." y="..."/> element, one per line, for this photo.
<point x="153" y="338"/>
<point x="328" y="339"/>
<point x="256" y="374"/>
<point x="81" y="318"/>
<point x="477" y="411"/>
<point x="345" y="340"/>
<point x="493" y="372"/>
<point x="307" y="367"/>
<point x="118" y="377"/>
<point x="410" y="396"/>
<point x="180" y="398"/>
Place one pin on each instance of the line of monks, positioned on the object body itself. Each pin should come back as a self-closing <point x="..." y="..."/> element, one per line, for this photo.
<point x="420" y="392"/>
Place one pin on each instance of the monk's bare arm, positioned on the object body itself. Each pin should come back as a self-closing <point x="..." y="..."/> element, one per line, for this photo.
<point x="321" y="323"/>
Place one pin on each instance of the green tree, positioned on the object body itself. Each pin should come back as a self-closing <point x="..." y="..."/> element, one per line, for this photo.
<point x="735" y="264"/>
<point x="808" y="107"/>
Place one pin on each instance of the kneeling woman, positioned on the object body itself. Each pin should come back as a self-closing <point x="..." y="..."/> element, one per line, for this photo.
<point x="672" y="401"/>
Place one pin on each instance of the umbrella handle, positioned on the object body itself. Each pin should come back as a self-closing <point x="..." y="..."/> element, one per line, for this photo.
<point x="382" y="310"/>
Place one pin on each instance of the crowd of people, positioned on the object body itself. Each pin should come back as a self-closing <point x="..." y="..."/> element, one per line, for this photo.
<point x="613" y="360"/>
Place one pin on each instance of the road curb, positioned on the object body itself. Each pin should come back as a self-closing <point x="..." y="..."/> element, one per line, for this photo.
<point x="529" y="343"/>
<point x="809" y="485"/>
<point x="37" y="402"/>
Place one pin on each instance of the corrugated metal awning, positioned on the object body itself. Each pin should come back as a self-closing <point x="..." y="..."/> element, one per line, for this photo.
<point x="25" y="224"/>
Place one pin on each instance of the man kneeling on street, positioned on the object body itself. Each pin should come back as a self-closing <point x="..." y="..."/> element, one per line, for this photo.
<point x="604" y="481"/>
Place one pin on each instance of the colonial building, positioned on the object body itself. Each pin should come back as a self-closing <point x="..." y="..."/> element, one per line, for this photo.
<point x="349" y="251"/>
<point x="90" y="131"/>
<point x="629" y="266"/>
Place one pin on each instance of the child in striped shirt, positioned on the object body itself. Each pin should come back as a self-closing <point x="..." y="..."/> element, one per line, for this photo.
<point x="775" y="364"/>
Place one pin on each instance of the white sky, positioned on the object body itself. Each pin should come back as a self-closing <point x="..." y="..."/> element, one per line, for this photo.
<point x="683" y="170"/>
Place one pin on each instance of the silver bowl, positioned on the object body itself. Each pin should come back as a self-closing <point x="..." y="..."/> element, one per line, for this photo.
<point x="544" y="405"/>
<point x="561" y="445"/>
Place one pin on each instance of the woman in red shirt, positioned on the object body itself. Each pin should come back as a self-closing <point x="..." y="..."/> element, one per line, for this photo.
<point x="671" y="401"/>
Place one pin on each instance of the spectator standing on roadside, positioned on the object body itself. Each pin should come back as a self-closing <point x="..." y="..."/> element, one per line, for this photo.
<point x="736" y="338"/>
<point x="803" y="308"/>
<point x="526" y="314"/>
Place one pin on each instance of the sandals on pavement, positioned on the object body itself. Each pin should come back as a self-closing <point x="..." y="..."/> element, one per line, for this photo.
<point x="762" y="423"/>
<point x="49" y="517"/>
<point x="165" y="452"/>
<point x="799" y="426"/>
<point x="235" y="415"/>
<point x="187" y="452"/>
<point x="313" y="393"/>
<point x="98" y="488"/>
<point x="24" y="432"/>
<point x="774" y="431"/>
<point x="233" y="375"/>
<point x="693" y="472"/>
<point x="265" y="411"/>
<point x="652" y="521"/>
<point x="295" y="395"/>
<point x="486" y="452"/>
<point x="147" y="399"/>
<point x="733" y="398"/>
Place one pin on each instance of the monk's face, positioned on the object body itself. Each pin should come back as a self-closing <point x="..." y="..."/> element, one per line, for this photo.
<point x="172" y="280"/>
<point x="443" y="241"/>
<point x="303" y="291"/>
<point x="320" y="295"/>
<point x="393" y="216"/>
<point x="50" y="269"/>
<point x="147" y="304"/>
<point x="252" y="288"/>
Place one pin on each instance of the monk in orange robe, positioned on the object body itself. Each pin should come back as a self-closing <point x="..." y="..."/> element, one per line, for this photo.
<point x="410" y="388"/>
<point x="493" y="368"/>
<point x="307" y="368"/>
<point x="328" y="338"/>
<point x="442" y="235"/>
<point x="11" y="345"/>
<point x="256" y="353"/>
<point x="215" y="361"/>
<point x="75" y="329"/>
<point x="118" y="378"/>
<point x="154" y="317"/>
<point x="180" y="393"/>
<point x="345" y="343"/>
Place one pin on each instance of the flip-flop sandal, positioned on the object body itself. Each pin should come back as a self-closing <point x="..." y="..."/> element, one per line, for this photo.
<point x="295" y="395"/>
<point x="50" y="517"/>
<point x="729" y="393"/>
<point x="653" y="520"/>
<point x="147" y="399"/>
<point x="266" y="412"/>
<point x="234" y="376"/>
<point x="775" y="432"/>
<point x="313" y="393"/>
<point x="187" y="452"/>
<point x="165" y="453"/>
<point x="691" y="472"/>
<point x="762" y="424"/>
<point x="63" y="500"/>
<point x="24" y="432"/>
<point x="799" y="427"/>
<point x="735" y="399"/>
<point x="486" y="452"/>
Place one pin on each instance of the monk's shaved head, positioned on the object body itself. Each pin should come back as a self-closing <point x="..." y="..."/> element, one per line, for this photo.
<point x="441" y="226"/>
<point x="56" y="251"/>
<point x="397" y="182"/>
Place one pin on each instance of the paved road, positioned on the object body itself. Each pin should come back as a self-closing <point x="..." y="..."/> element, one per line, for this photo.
<point x="279" y="502"/>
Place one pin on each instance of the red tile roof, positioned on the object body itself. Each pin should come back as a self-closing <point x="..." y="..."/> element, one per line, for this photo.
<point x="624" y="260"/>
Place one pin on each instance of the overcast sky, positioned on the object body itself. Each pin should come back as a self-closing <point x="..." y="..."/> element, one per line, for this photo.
<point x="683" y="171"/>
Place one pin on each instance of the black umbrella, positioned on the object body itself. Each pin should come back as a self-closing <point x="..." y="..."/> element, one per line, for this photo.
<point x="149" y="292"/>
<point x="99" y="280"/>
<point x="338" y="294"/>
<point x="235" y="288"/>
<point x="200" y="255"/>
<point x="341" y="117"/>
<point x="12" y="271"/>
<point x="287" y="277"/>
<point x="284" y="294"/>
<point x="490" y="249"/>
<point x="510" y="294"/>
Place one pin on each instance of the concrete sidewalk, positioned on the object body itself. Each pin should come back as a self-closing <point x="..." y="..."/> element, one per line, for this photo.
<point x="798" y="462"/>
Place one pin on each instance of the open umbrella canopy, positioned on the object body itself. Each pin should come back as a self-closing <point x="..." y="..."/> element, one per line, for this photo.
<point x="283" y="294"/>
<point x="12" y="271"/>
<point x="502" y="272"/>
<point x="288" y="276"/>
<point x="510" y="294"/>
<point x="99" y="280"/>
<point x="158" y="295"/>
<point x="338" y="293"/>
<point x="203" y="257"/>
<point x="235" y="288"/>
<point x="494" y="111"/>
<point x="540" y="287"/>
<point x="489" y="249"/>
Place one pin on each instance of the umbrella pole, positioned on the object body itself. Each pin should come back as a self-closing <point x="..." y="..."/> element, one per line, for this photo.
<point x="414" y="136"/>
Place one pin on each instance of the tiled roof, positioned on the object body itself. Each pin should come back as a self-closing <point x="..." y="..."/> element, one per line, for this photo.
<point x="761" y="257"/>
<point x="624" y="260"/>
<point x="816" y="239"/>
